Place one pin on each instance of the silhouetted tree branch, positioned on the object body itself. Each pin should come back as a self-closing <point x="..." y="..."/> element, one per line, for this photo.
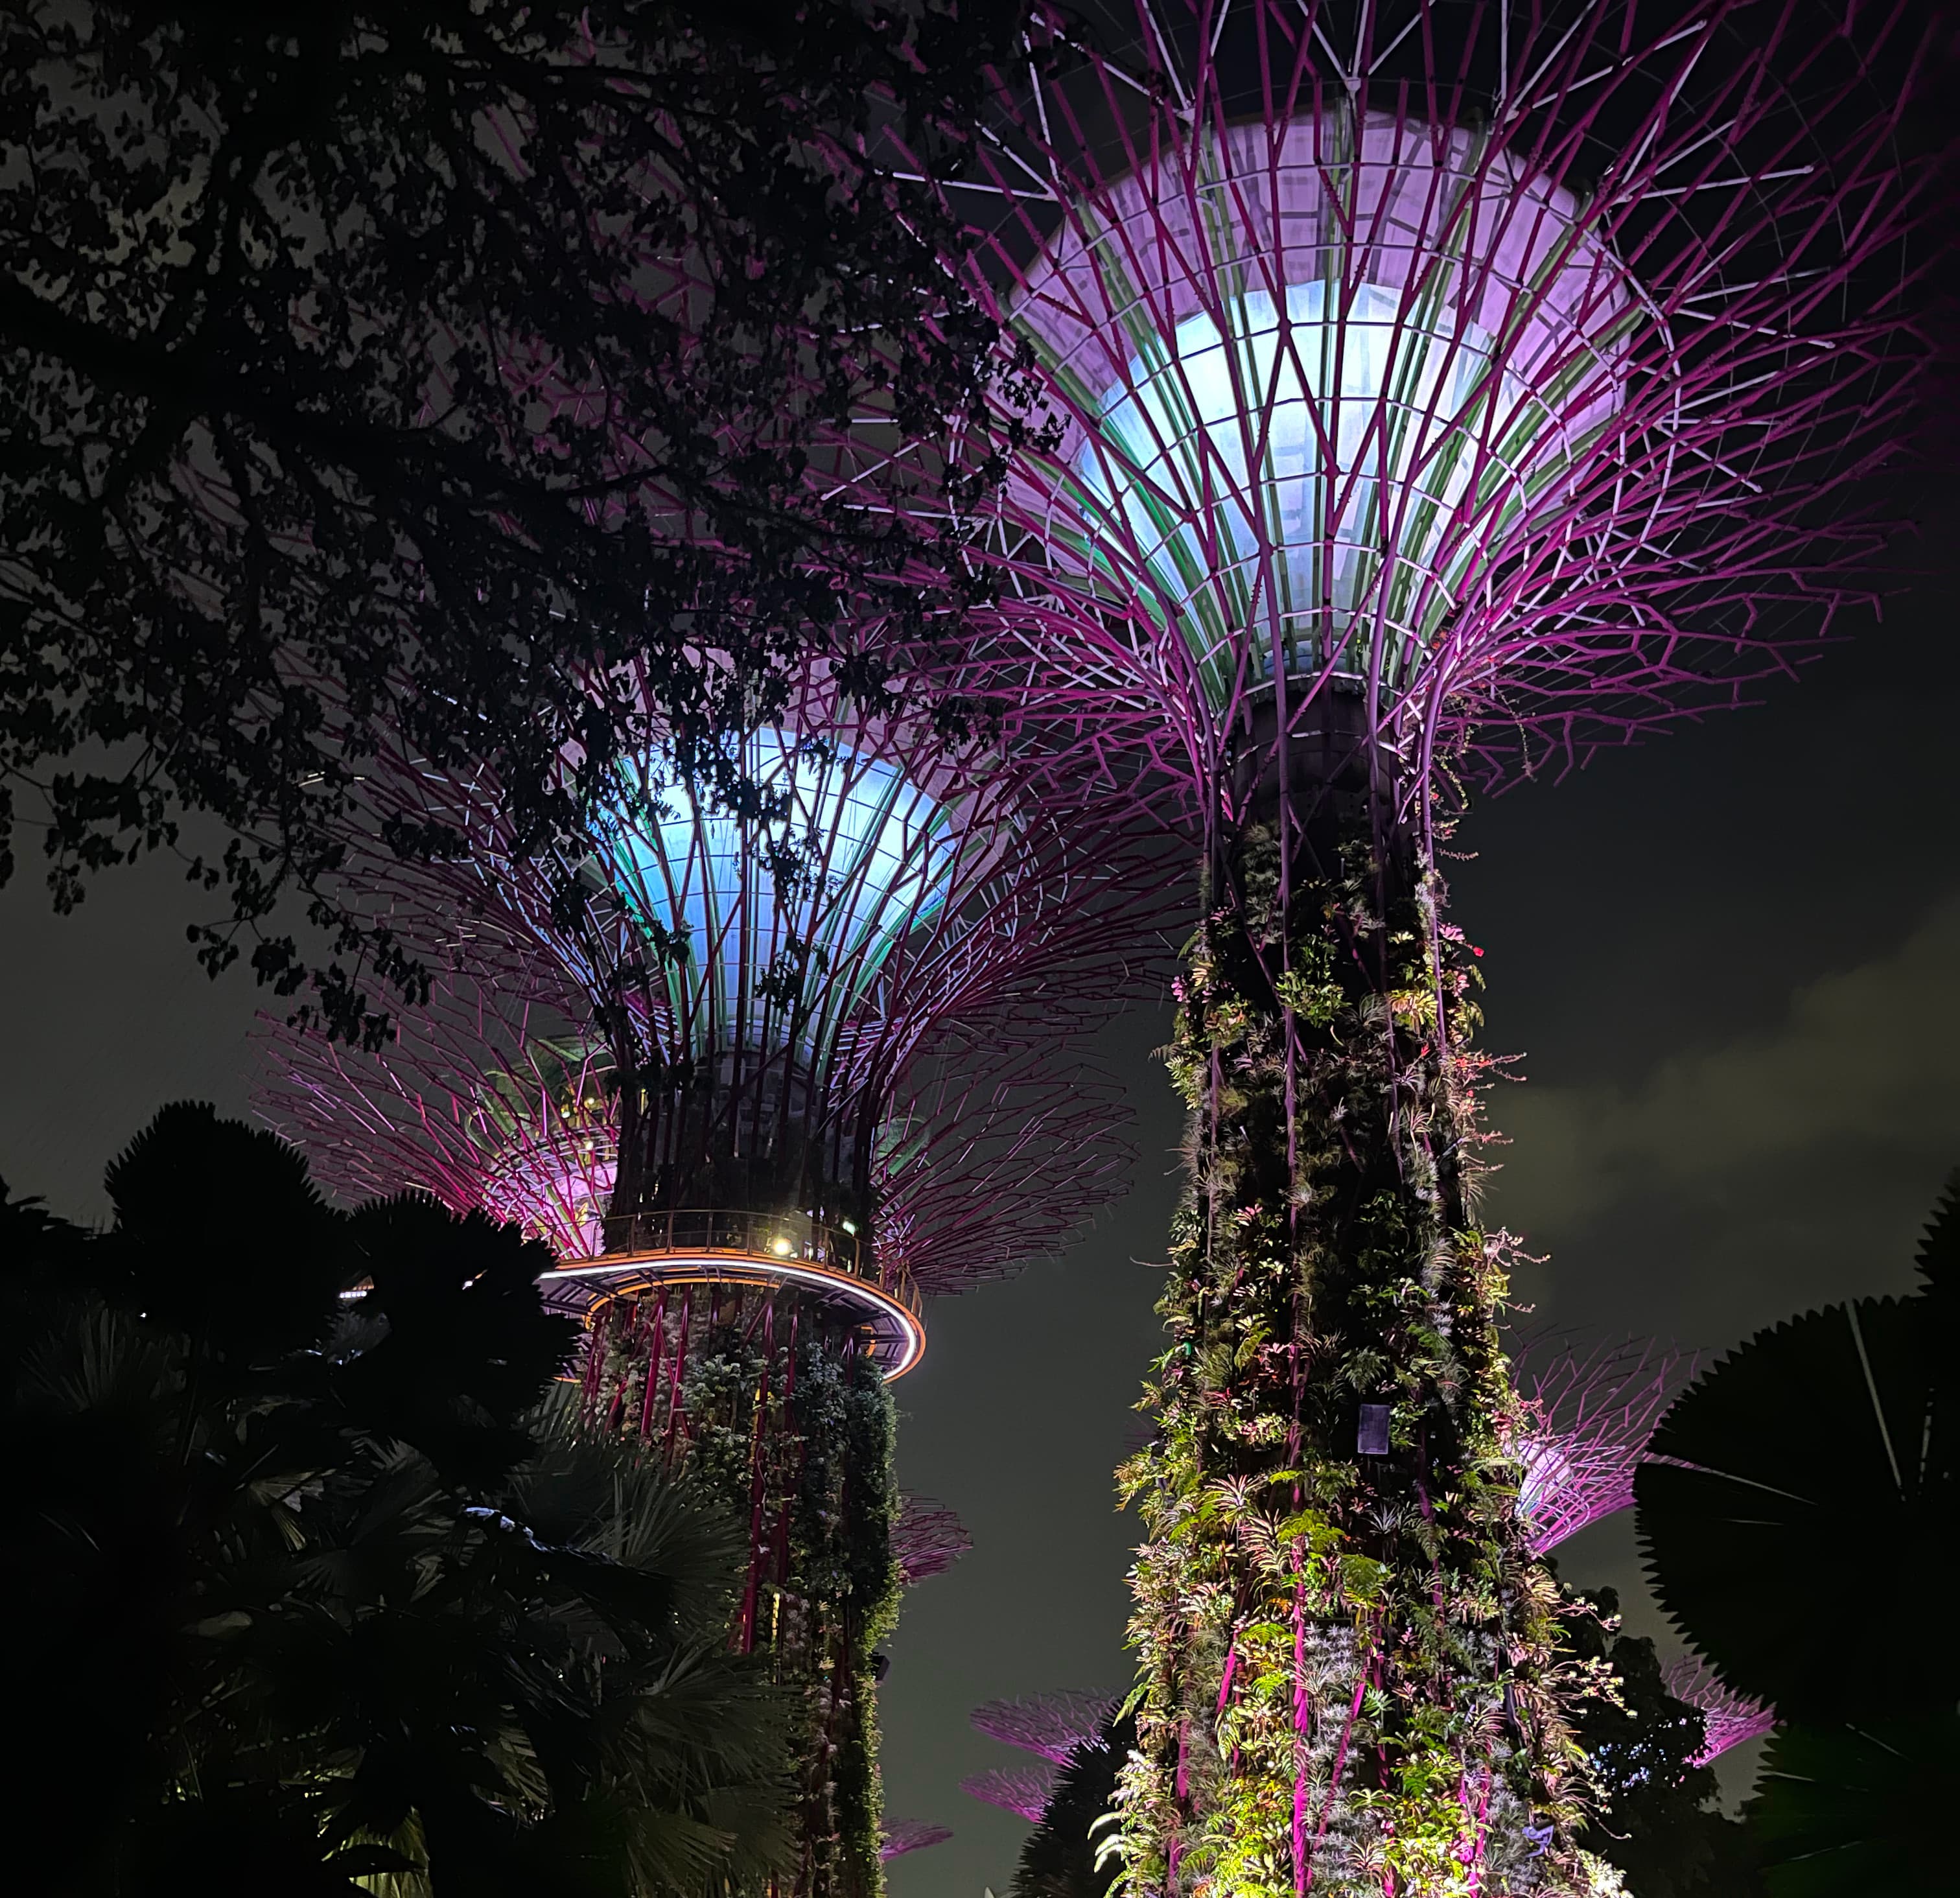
<point x="369" y="364"/>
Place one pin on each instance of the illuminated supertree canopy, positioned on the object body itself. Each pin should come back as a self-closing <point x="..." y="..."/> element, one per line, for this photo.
<point x="759" y="976"/>
<point x="1435" y="393"/>
<point x="1582" y="1428"/>
<point x="769" y="1081"/>
<point x="1513" y="377"/>
<point x="1050" y="1725"/>
<point x="1729" y="1717"/>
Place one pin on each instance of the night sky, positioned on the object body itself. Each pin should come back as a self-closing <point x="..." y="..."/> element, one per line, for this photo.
<point x="1727" y="960"/>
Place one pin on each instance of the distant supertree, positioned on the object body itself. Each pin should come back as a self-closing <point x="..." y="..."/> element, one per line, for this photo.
<point x="1435" y="393"/>
<point x="927" y="1540"/>
<point x="776" y="1071"/>
<point x="1052" y="1725"/>
<point x="1729" y="1717"/>
<point x="1582" y="1430"/>
<point x="484" y="1103"/>
<point x="907" y="1835"/>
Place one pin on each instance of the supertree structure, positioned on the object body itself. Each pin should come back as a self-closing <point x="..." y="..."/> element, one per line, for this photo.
<point x="1053" y="1726"/>
<point x="1582" y="1427"/>
<point x="762" y="1087"/>
<point x="1729" y="1717"/>
<point x="927" y="1538"/>
<point x="1435" y="393"/>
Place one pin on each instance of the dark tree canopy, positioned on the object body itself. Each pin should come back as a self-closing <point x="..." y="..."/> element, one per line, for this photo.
<point x="304" y="1588"/>
<point x="1822" y="1450"/>
<point x="1060" y="1858"/>
<point x="1659" y="1819"/>
<point x="374" y="365"/>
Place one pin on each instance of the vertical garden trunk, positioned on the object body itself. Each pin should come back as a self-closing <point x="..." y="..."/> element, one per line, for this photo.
<point x="1347" y="1673"/>
<point x="779" y="1411"/>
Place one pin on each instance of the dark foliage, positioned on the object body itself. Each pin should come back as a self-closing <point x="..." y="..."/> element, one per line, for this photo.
<point x="373" y="366"/>
<point x="1812" y="1436"/>
<point x="1059" y="1859"/>
<point x="1658" y="1821"/>
<point x="307" y="1587"/>
<point x="1853" y="1809"/>
<point x="1822" y="1448"/>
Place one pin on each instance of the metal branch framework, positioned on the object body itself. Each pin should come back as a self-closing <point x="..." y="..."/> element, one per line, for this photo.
<point x="908" y="1836"/>
<point x="1584" y="1430"/>
<point x="1516" y="375"/>
<point x="1730" y="1718"/>
<point x="1023" y="1790"/>
<point x="1055" y="1727"/>
<point x="1050" y="1725"/>
<point x="760" y="977"/>
<point x="927" y="1538"/>
<point x="491" y="1102"/>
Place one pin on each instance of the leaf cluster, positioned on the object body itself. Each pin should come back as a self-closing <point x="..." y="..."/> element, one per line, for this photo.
<point x="311" y="1581"/>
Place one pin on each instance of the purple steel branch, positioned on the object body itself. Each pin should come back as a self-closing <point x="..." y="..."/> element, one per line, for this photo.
<point x="490" y="1103"/>
<point x="1584" y="1428"/>
<point x="1053" y="1725"/>
<point x="1022" y="1790"/>
<point x="1729" y="1717"/>
<point x="910" y="1835"/>
<point x="926" y="1539"/>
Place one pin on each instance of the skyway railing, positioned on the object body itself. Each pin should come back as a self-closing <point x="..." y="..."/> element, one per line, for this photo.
<point x="795" y="1238"/>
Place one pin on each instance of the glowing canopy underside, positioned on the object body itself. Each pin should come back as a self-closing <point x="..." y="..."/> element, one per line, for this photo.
<point x="786" y="915"/>
<point x="1314" y="377"/>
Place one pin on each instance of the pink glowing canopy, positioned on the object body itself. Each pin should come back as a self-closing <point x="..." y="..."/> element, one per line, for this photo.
<point x="1303" y="393"/>
<point x="1516" y="373"/>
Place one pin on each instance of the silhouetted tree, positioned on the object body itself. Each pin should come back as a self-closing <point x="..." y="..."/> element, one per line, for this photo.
<point x="413" y="365"/>
<point x="1802" y="1535"/>
<point x="1059" y="1859"/>
<point x="1659" y="1820"/>
<point x="303" y="1585"/>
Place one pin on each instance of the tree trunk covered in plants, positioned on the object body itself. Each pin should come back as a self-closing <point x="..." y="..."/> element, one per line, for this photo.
<point x="785" y="1419"/>
<point x="1348" y="1680"/>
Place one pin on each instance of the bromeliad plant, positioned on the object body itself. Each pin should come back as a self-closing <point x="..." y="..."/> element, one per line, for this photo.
<point x="1349" y="1674"/>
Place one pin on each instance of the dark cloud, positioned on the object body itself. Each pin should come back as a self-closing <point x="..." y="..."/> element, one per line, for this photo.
<point x="1729" y="1185"/>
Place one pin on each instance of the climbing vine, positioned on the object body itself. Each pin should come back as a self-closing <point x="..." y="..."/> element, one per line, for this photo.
<point x="1350" y="1679"/>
